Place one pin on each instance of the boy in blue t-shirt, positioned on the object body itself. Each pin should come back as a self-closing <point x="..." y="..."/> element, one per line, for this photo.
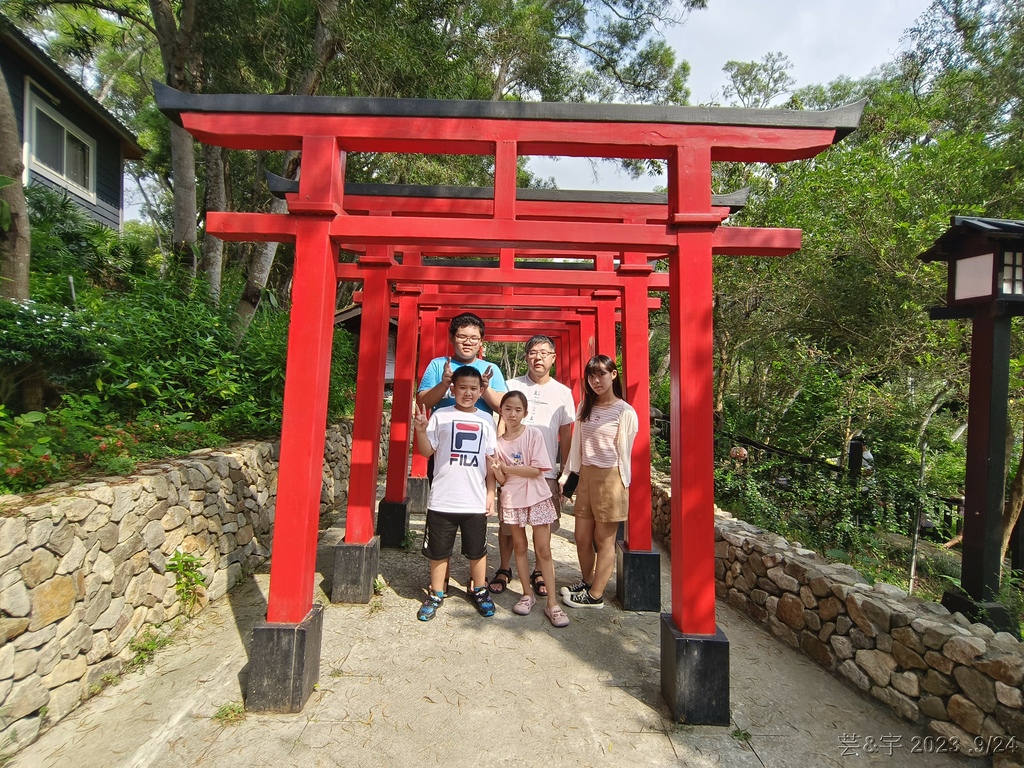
<point x="460" y="438"/>
<point x="466" y="333"/>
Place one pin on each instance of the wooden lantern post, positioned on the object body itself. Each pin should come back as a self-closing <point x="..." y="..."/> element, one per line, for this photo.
<point x="985" y="284"/>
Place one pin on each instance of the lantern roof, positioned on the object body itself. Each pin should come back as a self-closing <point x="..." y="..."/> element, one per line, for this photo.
<point x="949" y="244"/>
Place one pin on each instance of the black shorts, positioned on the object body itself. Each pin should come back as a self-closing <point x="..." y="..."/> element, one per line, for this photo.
<point x="439" y="542"/>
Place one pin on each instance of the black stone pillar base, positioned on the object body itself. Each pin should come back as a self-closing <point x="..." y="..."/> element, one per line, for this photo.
<point x="638" y="578"/>
<point x="392" y="522"/>
<point x="284" y="664"/>
<point x="695" y="675"/>
<point x="992" y="614"/>
<point x="355" y="568"/>
<point x="417" y="490"/>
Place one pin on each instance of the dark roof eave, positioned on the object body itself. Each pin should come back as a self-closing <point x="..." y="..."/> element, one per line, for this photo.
<point x="10" y="35"/>
<point x="843" y="120"/>
<point x="945" y="246"/>
<point x="280" y="186"/>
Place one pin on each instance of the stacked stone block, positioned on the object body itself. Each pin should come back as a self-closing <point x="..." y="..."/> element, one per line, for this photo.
<point x="83" y="569"/>
<point x="961" y="681"/>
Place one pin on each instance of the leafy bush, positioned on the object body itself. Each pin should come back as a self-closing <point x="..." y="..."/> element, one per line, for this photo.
<point x="66" y="242"/>
<point x="815" y="506"/>
<point x="26" y="460"/>
<point x="138" y="367"/>
<point x="58" y="347"/>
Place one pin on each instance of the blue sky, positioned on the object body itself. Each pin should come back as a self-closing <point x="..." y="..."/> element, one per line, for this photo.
<point x="822" y="38"/>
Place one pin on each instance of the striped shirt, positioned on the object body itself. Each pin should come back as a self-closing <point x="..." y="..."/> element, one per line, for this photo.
<point x="599" y="434"/>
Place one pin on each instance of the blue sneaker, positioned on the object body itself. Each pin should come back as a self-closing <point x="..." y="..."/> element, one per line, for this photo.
<point x="484" y="604"/>
<point x="430" y="605"/>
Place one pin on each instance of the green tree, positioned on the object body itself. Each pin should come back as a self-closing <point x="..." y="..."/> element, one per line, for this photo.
<point x="15" y="240"/>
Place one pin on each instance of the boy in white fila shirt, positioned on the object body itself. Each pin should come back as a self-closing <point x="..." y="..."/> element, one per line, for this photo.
<point x="461" y="438"/>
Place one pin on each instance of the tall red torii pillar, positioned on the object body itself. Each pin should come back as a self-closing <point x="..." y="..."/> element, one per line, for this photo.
<point x="284" y="655"/>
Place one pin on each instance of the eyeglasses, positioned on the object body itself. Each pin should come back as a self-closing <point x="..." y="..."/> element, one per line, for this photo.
<point x="467" y="339"/>
<point x="543" y="353"/>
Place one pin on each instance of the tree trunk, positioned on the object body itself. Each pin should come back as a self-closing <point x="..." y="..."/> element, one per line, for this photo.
<point x="183" y="168"/>
<point x="175" y="35"/>
<point x="1015" y="500"/>
<point x="216" y="200"/>
<point x="308" y="83"/>
<point x="259" y="271"/>
<point x="14" y="240"/>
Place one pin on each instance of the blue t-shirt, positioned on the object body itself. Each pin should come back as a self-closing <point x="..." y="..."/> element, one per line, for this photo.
<point x="435" y="370"/>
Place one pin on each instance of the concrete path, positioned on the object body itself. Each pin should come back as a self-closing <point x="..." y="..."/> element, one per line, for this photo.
<point x="466" y="691"/>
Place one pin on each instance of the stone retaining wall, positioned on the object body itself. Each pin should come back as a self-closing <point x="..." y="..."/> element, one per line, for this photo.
<point x="962" y="681"/>
<point x="83" y="569"/>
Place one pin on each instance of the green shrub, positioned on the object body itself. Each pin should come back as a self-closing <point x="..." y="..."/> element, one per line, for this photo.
<point x="141" y="365"/>
<point x="26" y="458"/>
<point x="59" y="348"/>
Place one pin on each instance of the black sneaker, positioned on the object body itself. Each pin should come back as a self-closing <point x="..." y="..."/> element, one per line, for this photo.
<point x="573" y="589"/>
<point x="484" y="604"/>
<point x="583" y="600"/>
<point x="430" y="605"/>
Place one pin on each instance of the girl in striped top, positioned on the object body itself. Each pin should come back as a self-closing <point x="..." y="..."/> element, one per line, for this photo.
<point x="602" y="445"/>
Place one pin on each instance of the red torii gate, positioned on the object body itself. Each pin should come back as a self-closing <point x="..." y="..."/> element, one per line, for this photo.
<point x="638" y="583"/>
<point x="284" y="658"/>
<point x="638" y="575"/>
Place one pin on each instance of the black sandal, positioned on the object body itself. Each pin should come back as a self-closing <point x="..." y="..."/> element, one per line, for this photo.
<point x="537" y="582"/>
<point x="499" y="583"/>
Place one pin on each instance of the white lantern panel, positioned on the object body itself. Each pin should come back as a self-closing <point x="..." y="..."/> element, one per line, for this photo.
<point x="973" y="277"/>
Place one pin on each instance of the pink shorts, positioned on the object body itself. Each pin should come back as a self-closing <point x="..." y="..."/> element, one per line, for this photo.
<point x="541" y="513"/>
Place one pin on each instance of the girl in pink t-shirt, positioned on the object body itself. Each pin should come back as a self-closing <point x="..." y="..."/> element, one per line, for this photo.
<point x="519" y="463"/>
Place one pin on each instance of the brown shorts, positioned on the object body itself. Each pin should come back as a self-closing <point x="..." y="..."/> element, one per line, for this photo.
<point x="601" y="496"/>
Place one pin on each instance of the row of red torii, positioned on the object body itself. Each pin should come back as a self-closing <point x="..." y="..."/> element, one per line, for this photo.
<point x="425" y="253"/>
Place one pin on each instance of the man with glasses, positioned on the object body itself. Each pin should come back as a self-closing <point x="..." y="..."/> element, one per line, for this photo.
<point x="551" y="409"/>
<point x="466" y="333"/>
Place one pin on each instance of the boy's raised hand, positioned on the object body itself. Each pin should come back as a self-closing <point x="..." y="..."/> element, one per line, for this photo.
<point x="486" y="376"/>
<point x="446" y="374"/>
<point x="420" y="418"/>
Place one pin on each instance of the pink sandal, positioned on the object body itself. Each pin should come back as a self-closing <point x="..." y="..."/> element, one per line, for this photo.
<point x="557" y="616"/>
<point x="525" y="605"/>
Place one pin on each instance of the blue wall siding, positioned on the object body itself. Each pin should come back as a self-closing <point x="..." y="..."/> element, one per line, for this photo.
<point x="101" y="211"/>
<point x="108" y="146"/>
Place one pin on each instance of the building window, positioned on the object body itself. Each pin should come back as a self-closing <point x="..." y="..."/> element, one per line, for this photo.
<point x="60" y="152"/>
<point x="1013" y="273"/>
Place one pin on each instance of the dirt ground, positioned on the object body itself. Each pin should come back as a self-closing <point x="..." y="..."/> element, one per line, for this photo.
<point x="463" y="690"/>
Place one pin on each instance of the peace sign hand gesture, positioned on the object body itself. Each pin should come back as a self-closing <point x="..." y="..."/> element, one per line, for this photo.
<point x="446" y="374"/>
<point x="420" y="418"/>
<point x="486" y="376"/>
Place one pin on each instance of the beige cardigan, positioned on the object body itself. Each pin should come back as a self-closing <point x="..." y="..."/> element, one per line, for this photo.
<point x="628" y="427"/>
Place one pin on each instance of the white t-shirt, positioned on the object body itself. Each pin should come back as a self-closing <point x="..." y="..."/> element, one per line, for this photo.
<point x="549" y="407"/>
<point x="462" y="441"/>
